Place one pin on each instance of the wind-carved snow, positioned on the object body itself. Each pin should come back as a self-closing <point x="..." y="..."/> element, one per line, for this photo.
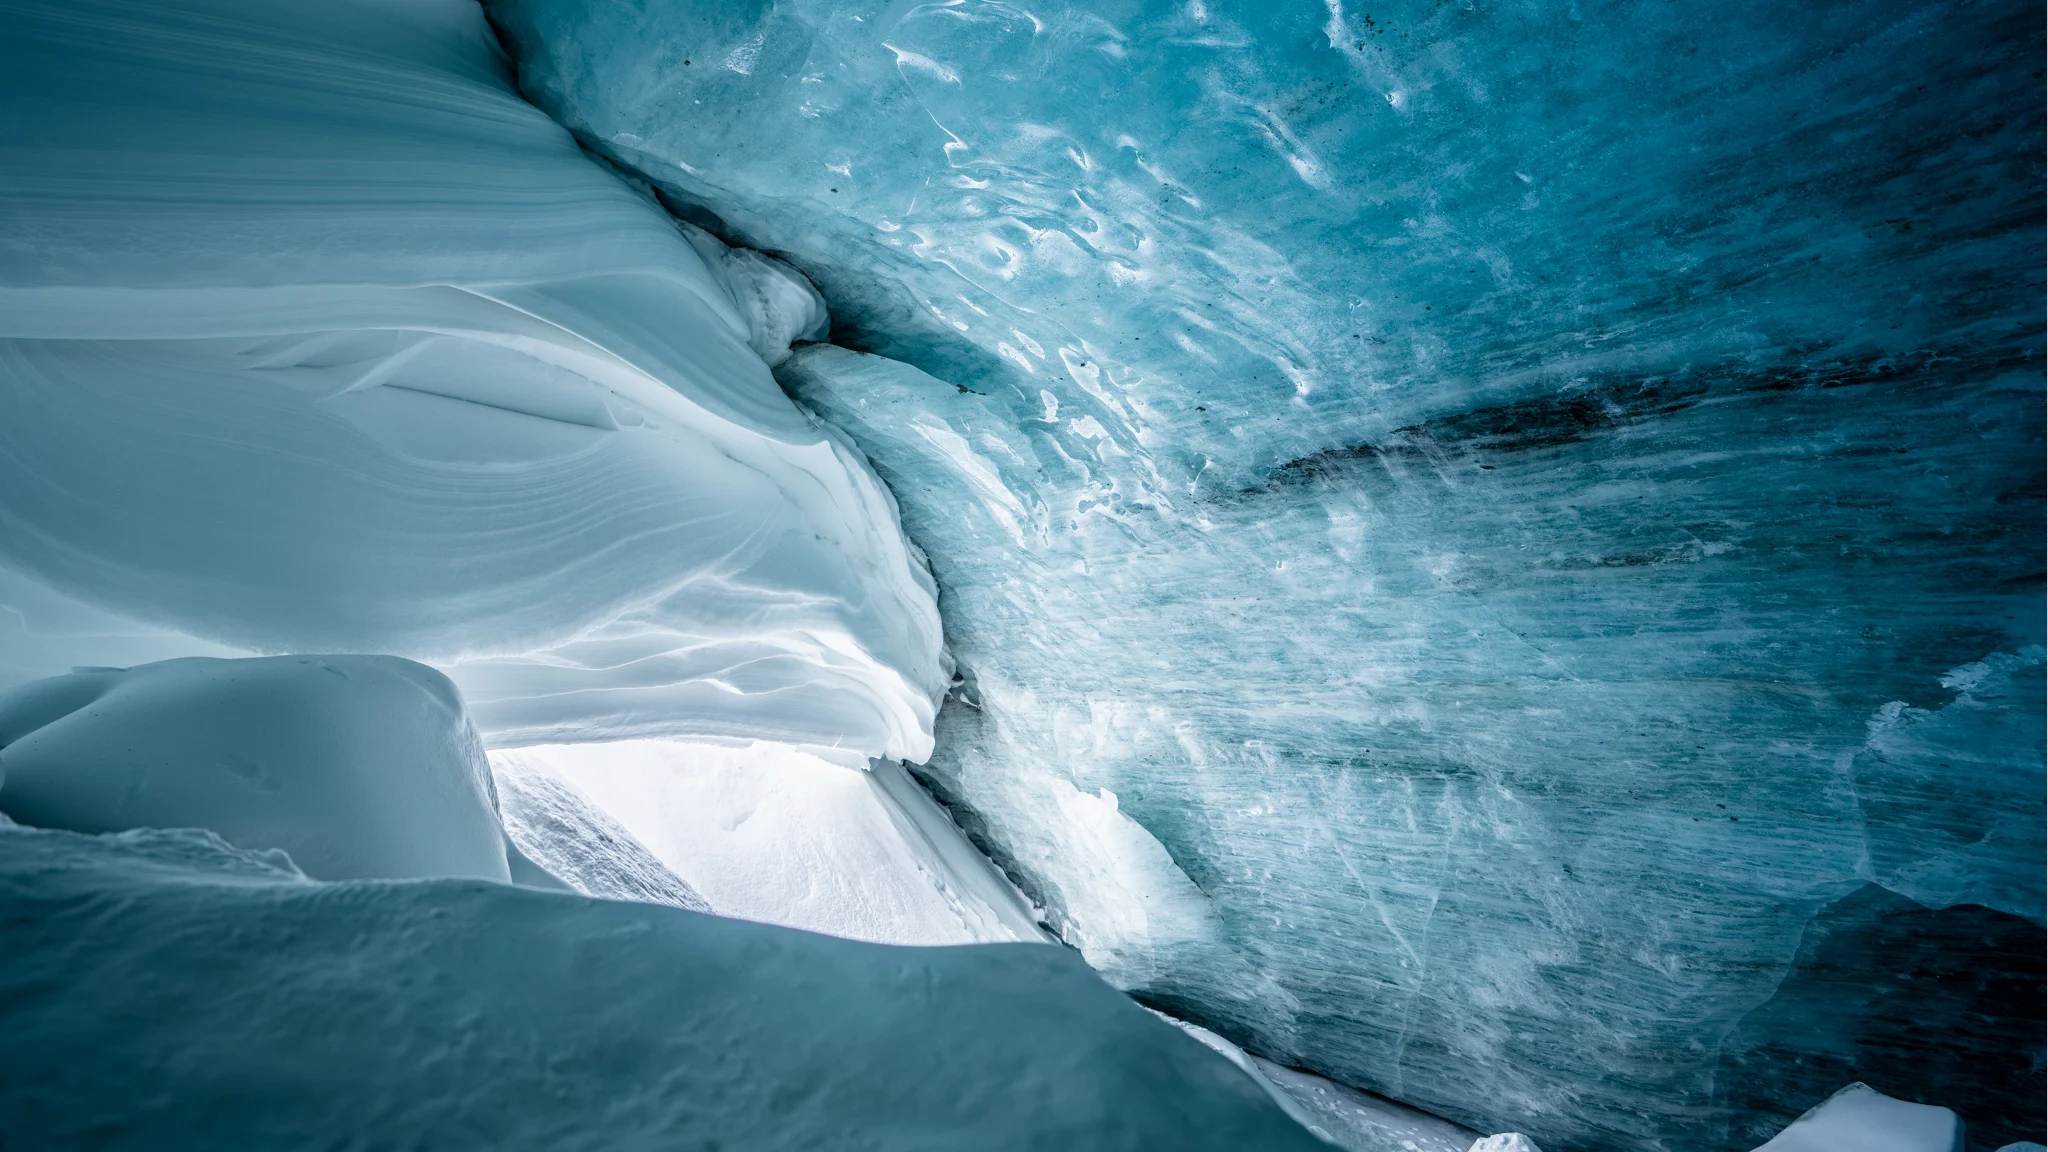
<point x="398" y="369"/>
<point x="1463" y="478"/>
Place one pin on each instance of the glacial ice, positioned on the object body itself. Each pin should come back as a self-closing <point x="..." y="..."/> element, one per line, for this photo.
<point x="1508" y="500"/>
<point x="317" y="337"/>
<point x="353" y="766"/>
<point x="1493" y="553"/>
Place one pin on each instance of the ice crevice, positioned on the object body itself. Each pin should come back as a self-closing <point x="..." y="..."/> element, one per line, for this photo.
<point x="1460" y="552"/>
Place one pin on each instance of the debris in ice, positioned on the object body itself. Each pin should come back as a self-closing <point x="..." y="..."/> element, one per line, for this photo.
<point x="781" y="307"/>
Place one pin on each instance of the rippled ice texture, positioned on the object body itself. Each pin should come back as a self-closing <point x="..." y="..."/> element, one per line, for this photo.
<point x="1467" y="527"/>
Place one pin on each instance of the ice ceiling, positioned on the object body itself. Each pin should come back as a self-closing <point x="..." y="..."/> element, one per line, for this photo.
<point x="1535" y="508"/>
<point x="1491" y="552"/>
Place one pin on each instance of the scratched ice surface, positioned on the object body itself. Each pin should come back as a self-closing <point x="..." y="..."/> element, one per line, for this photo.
<point x="1478" y="537"/>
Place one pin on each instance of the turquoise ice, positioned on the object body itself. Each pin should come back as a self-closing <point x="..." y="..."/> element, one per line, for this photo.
<point x="1489" y="552"/>
<point x="1477" y="537"/>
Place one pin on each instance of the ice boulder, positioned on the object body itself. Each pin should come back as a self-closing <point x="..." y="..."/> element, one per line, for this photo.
<point x="237" y="1006"/>
<point x="1861" y="1119"/>
<point x="1505" y="1142"/>
<point x="356" y="766"/>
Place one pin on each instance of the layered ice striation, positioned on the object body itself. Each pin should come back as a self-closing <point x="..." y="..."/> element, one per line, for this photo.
<point x="315" y="336"/>
<point x="1478" y="538"/>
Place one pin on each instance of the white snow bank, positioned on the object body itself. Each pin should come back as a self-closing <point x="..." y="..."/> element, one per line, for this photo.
<point x="1861" y="1119"/>
<point x="314" y="336"/>
<point x="771" y="833"/>
<point x="561" y="831"/>
<point x="238" y="1006"/>
<point x="1363" y="1122"/>
<point x="356" y="766"/>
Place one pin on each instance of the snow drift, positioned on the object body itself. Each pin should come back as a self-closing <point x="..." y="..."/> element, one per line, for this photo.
<point x="316" y="337"/>
<point x="354" y="766"/>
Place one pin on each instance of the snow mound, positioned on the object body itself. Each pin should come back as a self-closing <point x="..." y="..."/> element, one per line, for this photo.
<point x="466" y="1014"/>
<point x="355" y="766"/>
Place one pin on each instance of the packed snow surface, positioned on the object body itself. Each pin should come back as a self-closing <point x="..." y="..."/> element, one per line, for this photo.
<point x="1479" y="538"/>
<point x="238" y="1005"/>
<point x="316" y="337"/>
<point x="353" y="766"/>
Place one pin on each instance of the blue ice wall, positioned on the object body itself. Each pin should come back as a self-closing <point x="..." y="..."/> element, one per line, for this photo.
<point x="1472" y="531"/>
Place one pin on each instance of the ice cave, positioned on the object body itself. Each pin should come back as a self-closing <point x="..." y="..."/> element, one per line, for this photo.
<point x="1391" y="575"/>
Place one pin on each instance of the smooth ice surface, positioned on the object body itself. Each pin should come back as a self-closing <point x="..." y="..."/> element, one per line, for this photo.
<point x="238" y="1005"/>
<point x="1465" y="527"/>
<point x="315" y="336"/>
<point x="1868" y="1121"/>
<point x="354" y="766"/>
<point x="770" y="833"/>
